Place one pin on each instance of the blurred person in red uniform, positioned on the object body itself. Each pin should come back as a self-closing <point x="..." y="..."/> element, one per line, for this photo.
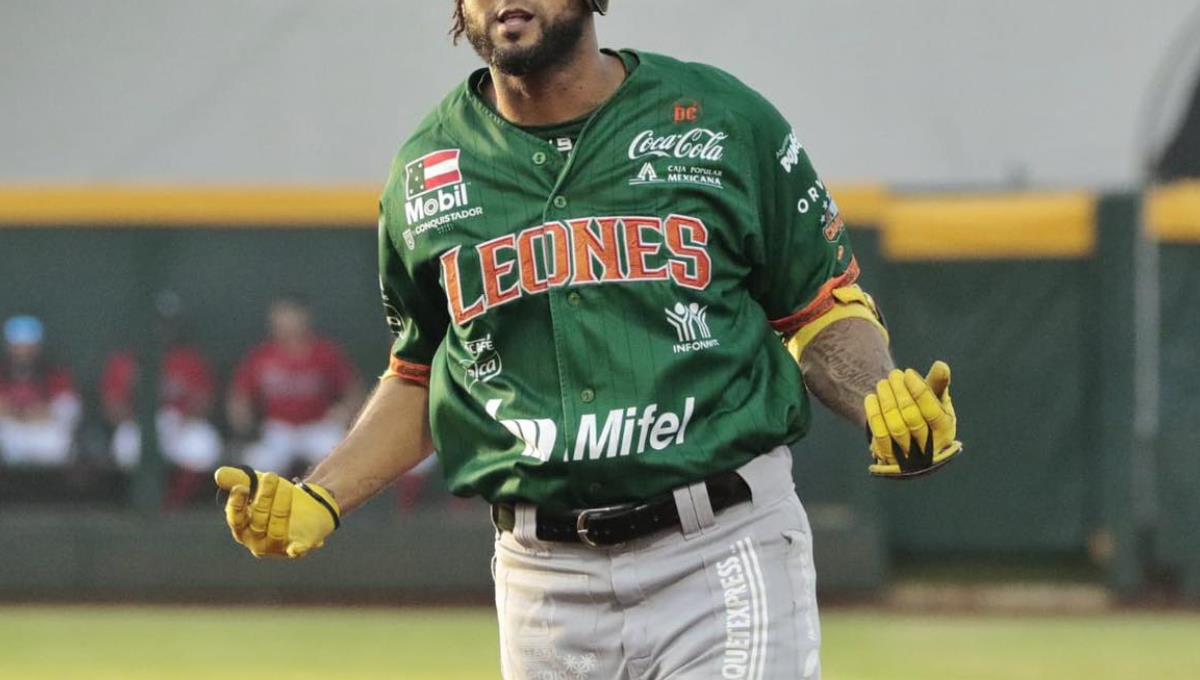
<point x="188" y="440"/>
<point x="302" y="388"/>
<point x="39" y="406"/>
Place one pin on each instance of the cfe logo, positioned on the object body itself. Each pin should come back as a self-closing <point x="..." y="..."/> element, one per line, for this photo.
<point x="485" y="361"/>
<point x="691" y="326"/>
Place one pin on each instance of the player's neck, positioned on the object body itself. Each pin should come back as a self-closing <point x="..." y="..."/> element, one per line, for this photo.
<point x="573" y="90"/>
<point x="297" y="346"/>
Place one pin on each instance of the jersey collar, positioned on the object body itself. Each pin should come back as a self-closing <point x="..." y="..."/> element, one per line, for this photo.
<point x="471" y="93"/>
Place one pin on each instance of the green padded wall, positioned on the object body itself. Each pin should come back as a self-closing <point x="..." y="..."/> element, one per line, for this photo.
<point x="1178" y="445"/>
<point x="91" y="286"/>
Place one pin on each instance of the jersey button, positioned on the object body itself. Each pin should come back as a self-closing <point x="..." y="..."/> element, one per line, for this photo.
<point x="574" y="299"/>
<point x="560" y="202"/>
<point x="539" y="158"/>
<point x="587" y="395"/>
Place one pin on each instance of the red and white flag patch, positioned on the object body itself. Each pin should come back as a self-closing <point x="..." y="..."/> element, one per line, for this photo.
<point x="432" y="171"/>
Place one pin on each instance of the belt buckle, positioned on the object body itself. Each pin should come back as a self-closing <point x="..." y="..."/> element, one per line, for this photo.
<point x="581" y="523"/>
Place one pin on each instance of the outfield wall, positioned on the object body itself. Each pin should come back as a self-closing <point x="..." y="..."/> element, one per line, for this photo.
<point x="1074" y="338"/>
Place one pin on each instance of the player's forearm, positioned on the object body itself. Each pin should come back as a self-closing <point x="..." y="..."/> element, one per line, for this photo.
<point x="390" y="437"/>
<point x="843" y="363"/>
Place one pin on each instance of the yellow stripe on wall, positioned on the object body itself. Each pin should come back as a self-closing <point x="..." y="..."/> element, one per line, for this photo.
<point x="863" y="205"/>
<point x="989" y="227"/>
<point x="241" y="207"/>
<point x="1173" y="212"/>
<point x="111" y="206"/>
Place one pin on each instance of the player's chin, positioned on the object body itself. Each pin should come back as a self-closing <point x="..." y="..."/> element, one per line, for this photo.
<point x="516" y="60"/>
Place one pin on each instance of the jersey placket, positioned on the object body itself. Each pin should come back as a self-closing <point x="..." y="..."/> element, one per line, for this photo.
<point x="577" y="394"/>
<point x="565" y="302"/>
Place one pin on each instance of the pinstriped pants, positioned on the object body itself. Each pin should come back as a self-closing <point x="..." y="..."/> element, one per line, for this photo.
<point x="728" y="596"/>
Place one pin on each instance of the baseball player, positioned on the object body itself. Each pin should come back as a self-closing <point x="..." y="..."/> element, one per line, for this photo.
<point x="39" y="404"/>
<point x="301" y="382"/>
<point x="592" y="261"/>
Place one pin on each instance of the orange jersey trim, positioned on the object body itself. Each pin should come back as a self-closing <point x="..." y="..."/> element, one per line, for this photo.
<point x="417" y="373"/>
<point x="824" y="302"/>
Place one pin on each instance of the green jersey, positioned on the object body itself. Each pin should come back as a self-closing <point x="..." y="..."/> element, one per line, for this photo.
<point x="602" y="323"/>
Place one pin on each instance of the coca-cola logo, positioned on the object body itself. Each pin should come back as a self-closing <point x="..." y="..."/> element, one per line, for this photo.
<point x="699" y="144"/>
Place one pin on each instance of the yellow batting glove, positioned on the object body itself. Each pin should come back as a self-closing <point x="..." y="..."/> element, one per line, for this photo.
<point x="273" y="517"/>
<point x="911" y="423"/>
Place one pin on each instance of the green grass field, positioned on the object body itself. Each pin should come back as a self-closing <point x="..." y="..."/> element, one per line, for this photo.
<point x="101" y="643"/>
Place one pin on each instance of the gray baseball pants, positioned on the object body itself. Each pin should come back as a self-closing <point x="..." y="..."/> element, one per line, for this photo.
<point x="727" y="596"/>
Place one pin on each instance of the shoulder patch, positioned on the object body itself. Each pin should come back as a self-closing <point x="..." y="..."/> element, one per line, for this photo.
<point x="432" y="171"/>
<point x="789" y="154"/>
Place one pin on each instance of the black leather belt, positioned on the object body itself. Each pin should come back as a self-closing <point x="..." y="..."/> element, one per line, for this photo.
<point x="620" y="523"/>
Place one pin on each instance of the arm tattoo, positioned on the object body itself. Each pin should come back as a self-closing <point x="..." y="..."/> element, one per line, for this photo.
<point x="842" y="364"/>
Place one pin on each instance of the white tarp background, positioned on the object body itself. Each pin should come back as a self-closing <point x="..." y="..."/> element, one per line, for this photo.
<point x="920" y="92"/>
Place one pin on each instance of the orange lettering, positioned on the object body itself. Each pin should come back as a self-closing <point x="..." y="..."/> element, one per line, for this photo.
<point x="451" y="281"/>
<point x="639" y="250"/>
<point x="527" y="259"/>
<point x="602" y="248"/>
<point x="701" y="265"/>
<point x="562" y="254"/>
<point x="494" y="294"/>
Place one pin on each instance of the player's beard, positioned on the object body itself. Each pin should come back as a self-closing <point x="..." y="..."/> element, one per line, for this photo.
<point x="559" y="39"/>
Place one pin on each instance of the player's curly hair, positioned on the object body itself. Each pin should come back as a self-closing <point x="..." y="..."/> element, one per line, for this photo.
<point x="458" y="22"/>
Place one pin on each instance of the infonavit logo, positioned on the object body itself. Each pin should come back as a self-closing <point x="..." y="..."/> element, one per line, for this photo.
<point x="691" y="326"/>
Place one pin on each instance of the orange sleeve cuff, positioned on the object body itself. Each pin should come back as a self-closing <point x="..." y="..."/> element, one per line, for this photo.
<point x="823" y="302"/>
<point x="415" y="373"/>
